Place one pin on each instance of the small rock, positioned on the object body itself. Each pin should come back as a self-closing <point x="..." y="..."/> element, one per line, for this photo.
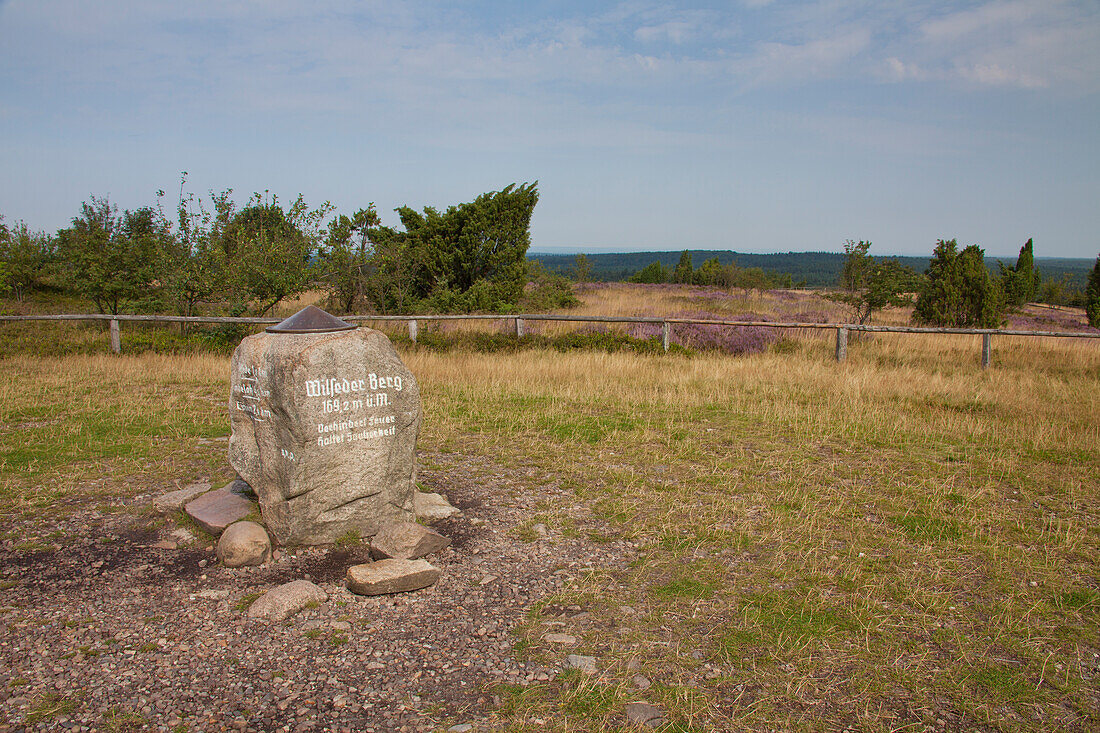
<point x="560" y="639"/>
<point x="580" y="662"/>
<point x="406" y="541"/>
<point x="244" y="543"/>
<point x="642" y="713"/>
<point x="641" y="682"/>
<point x="431" y="507"/>
<point x="286" y="600"/>
<point x="216" y="510"/>
<point x="391" y="576"/>
<point x="173" y="501"/>
<point x="486" y="579"/>
<point x="182" y="535"/>
<point x="164" y="545"/>
<point x="211" y="594"/>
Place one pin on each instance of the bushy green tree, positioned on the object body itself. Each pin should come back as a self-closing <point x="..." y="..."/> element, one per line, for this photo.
<point x="1021" y="283"/>
<point x="868" y="286"/>
<point x="1092" y="295"/>
<point x="652" y="274"/>
<point x="269" y="251"/>
<point x="959" y="291"/>
<point x="116" y="262"/>
<point x="684" y="271"/>
<point x="856" y="264"/>
<point x="546" y="291"/>
<point x="25" y="257"/>
<point x="346" y="258"/>
<point x="712" y="273"/>
<point x="197" y="271"/>
<point x="582" y="268"/>
<point x="471" y="257"/>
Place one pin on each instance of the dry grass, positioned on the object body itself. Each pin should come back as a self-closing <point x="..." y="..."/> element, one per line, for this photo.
<point x="899" y="542"/>
<point x="81" y="427"/>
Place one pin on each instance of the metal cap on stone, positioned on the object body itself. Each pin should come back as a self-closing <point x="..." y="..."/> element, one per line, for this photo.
<point x="311" y="319"/>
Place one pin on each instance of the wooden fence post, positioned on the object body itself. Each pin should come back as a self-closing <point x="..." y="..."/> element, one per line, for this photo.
<point x="116" y="340"/>
<point x="519" y="328"/>
<point x="666" y="334"/>
<point x="987" y="349"/>
<point x="412" y="330"/>
<point x="841" y="344"/>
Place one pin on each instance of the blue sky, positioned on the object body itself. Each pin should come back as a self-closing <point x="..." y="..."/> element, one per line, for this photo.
<point x="757" y="126"/>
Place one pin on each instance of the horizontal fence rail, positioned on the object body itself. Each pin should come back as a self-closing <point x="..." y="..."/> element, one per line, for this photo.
<point x="842" y="329"/>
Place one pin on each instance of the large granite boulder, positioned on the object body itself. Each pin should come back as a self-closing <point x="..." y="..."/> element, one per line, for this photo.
<point x="324" y="430"/>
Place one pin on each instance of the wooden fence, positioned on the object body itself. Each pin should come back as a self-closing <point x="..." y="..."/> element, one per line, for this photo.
<point x="842" y="329"/>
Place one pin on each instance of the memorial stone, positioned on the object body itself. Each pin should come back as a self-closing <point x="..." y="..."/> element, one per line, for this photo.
<point x="325" y="418"/>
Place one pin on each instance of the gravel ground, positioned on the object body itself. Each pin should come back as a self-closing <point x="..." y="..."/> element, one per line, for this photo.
<point x="101" y="630"/>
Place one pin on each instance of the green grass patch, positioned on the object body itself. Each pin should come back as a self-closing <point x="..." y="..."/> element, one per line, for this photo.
<point x="246" y="601"/>
<point x="48" y="706"/>
<point x="927" y="528"/>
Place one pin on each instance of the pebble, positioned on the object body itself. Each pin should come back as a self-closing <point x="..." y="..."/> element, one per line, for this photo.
<point x="587" y="665"/>
<point x="642" y="713"/>
<point x="560" y="639"/>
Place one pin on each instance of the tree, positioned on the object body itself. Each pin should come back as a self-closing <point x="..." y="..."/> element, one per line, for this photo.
<point x="959" y="292"/>
<point x="710" y="272"/>
<point x="856" y="264"/>
<point x="684" y="269"/>
<point x="652" y="273"/>
<point x="24" y="257"/>
<point x="471" y="257"/>
<point x="268" y="251"/>
<point x="1020" y="283"/>
<point x="868" y="286"/>
<point x="113" y="261"/>
<point x="197" y="269"/>
<point x="1092" y="295"/>
<point x="346" y="257"/>
<point x="582" y="268"/>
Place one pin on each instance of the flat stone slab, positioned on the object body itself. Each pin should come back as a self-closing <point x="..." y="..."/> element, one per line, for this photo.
<point x="406" y="541"/>
<point x="173" y="501"/>
<point x="642" y="713"/>
<point x="391" y="576"/>
<point x="582" y="663"/>
<point x="560" y="639"/>
<point x="216" y="510"/>
<point x="430" y="507"/>
<point x="280" y="603"/>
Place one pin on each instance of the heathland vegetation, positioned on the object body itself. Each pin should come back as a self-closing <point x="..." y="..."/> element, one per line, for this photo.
<point x="773" y="541"/>
<point x="211" y="257"/>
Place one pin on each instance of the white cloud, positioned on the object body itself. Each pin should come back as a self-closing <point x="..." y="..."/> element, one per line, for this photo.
<point x="1027" y="44"/>
<point x="672" y="31"/>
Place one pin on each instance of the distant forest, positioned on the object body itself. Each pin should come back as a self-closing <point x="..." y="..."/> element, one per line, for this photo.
<point x="810" y="269"/>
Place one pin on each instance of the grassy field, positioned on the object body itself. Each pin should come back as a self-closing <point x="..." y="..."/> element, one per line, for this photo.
<point x="899" y="542"/>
